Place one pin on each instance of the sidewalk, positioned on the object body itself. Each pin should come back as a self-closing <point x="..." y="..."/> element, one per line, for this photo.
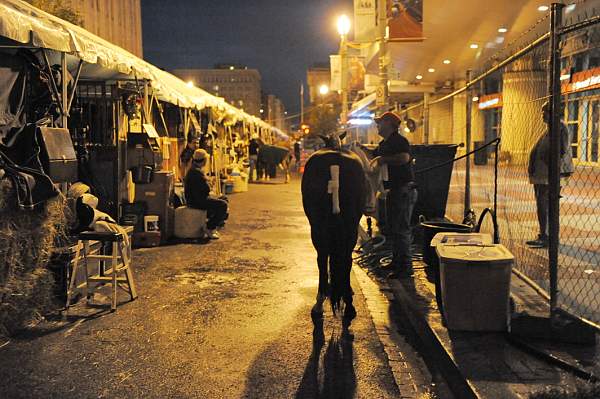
<point x="483" y="365"/>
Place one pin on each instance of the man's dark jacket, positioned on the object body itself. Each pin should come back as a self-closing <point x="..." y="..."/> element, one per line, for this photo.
<point x="196" y="188"/>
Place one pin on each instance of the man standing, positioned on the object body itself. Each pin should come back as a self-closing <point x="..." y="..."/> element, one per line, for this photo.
<point x="393" y="153"/>
<point x="297" y="150"/>
<point x="538" y="173"/>
<point x="253" y="154"/>
<point x="197" y="194"/>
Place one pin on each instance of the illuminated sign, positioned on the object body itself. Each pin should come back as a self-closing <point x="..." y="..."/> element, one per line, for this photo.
<point x="490" y="101"/>
<point x="360" y="121"/>
<point x="586" y="80"/>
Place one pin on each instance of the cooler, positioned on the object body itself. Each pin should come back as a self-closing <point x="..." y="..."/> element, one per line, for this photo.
<point x="475" y="285"/>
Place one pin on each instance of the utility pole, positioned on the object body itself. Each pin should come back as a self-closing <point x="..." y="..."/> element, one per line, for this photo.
<point x="469" y="106"/>
<point x="554" y="165"/>
<point x="344" y="70"/>
<point x="382" y="90"/>
<point x="301" y="104"/>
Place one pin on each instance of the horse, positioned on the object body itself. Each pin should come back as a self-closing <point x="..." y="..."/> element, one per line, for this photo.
<point x="333" y="198"/>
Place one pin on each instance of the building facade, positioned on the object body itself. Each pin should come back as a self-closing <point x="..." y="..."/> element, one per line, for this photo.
<point x="274" y="112"/>
<point x="237" y="84"/>
<point x="118" y="21"/>
<point x="316" y="76"/>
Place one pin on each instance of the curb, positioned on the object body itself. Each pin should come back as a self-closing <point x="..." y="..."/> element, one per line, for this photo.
<point x="410" y="373"/>
<point x="431" y="344"/>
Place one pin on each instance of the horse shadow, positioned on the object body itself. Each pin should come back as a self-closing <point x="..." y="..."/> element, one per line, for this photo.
<point x="331" y="374"/>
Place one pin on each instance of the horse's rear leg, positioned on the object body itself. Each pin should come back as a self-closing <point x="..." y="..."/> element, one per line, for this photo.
<point x="317" y="309"/>
<point x="349" y="310"/>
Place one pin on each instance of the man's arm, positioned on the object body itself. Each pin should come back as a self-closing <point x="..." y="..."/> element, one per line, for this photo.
<point x="396" y="159"/>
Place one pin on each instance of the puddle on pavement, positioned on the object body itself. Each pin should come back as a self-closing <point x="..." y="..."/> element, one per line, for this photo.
<point x="202" y="280"/>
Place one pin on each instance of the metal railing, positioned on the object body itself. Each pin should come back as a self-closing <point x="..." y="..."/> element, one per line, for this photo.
<point x="552" y="67"/>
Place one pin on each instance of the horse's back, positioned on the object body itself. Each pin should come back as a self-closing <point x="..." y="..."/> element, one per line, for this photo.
<point x="315" y="196"/>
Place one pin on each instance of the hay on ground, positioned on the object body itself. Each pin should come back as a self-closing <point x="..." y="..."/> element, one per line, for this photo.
<point x="27" y="238"/>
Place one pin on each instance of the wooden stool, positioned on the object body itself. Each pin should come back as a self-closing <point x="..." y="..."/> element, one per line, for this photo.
<point x="120" y="263"/>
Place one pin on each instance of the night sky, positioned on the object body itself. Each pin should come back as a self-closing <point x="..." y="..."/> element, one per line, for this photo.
<point x="280" y="38"/>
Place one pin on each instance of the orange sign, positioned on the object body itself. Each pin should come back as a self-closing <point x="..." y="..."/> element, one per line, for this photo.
<point x="585" y="80"/>
<point x="490" y="101"/>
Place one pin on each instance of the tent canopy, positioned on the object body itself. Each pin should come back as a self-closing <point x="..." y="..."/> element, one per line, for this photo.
<point x="25" y="24"/>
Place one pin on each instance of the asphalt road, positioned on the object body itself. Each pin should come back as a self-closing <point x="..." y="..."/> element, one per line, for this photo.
<point x="224" y="319"/>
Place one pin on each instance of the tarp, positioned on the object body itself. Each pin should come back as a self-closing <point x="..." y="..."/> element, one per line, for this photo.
<point x="23" y="23"/>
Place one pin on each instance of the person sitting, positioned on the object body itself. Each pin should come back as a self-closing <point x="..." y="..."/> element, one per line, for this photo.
<point x="197" y="194"/>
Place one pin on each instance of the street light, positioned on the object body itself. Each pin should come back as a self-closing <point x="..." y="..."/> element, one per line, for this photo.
<point x="323" y="90"/>
<point x="343" y="26"/>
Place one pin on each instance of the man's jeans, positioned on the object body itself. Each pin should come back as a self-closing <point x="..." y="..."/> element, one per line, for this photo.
<point x="541" y="199"/>
<point x="401" y="203"/>
<point x="253" y="165"/>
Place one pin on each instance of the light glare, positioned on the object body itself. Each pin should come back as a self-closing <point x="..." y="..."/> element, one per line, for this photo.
<point x="343" y="25"/>
<point x="323" y="89"/>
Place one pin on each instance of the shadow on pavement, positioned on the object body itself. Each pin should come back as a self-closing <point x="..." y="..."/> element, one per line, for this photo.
<point x="337" y="379"/>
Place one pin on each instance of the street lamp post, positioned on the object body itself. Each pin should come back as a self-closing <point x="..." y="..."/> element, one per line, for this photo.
<point x="343" y="26"/>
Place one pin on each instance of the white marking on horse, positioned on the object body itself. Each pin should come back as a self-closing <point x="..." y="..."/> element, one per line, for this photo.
<point x="333" y="188"/>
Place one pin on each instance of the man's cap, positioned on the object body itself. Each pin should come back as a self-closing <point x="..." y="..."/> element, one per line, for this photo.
<point x="390" y="116"/>
<point x="200" y="155"/>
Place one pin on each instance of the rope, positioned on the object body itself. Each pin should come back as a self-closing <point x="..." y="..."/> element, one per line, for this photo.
<point x="497" y="140"/>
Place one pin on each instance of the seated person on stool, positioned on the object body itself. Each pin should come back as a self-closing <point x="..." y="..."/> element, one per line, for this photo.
<point x="197" y="194"/>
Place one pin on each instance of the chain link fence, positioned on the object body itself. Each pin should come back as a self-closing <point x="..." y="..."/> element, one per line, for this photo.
<point x="506" y="99"/>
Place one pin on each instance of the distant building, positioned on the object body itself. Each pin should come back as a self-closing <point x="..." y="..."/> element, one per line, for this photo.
<point x="317" y="75"/>
<point x="275" y="112"/>
<point x="237" y="84"/>
<point x="118" y="21"/>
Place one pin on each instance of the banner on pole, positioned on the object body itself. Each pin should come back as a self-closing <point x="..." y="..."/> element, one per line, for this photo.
<point x="365" y="20"/>
<point x="336" y="72"/>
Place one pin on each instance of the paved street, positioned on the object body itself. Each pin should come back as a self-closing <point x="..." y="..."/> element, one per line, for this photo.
<point x="226" y="319"/>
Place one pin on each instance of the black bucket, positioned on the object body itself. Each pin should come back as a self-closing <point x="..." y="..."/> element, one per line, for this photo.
<point x="430" y="229"/>
<point x="433" y="171"/>
<point x="142" y="174"/>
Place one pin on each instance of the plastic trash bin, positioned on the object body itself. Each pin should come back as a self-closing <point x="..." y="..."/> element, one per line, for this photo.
<point x="462" y="239"/>
<point x="475" y="283"/>
<point x="480" y="157"/>
<point x="430" y="229"/>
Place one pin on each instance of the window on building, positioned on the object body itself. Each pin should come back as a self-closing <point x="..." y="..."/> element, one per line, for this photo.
<point x="573" y="125"/>
<point x="493" y="122"/>
<point x="594" y="58"/>
<point x="594" y="127"/>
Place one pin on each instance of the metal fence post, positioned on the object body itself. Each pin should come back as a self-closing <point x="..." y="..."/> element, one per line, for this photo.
<point x="468" y="146"/>
<point x="554" y="165"/>
<point x="426" y="118"/>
